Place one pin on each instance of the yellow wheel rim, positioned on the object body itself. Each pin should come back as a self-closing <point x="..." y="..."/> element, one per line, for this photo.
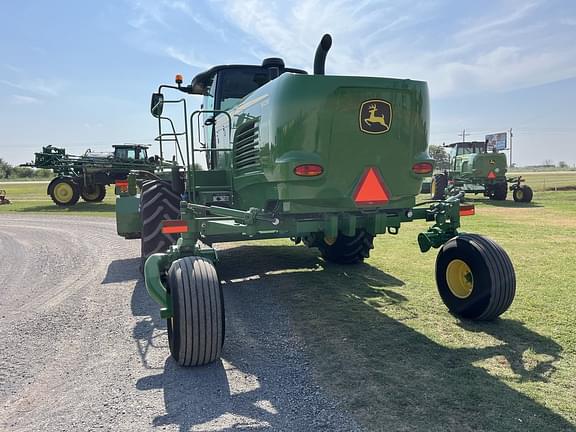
<point x="329" y="240"/>
<point x="63" y="192"/>
<point x="459" y="278"/>
<point x="520" y="194"/>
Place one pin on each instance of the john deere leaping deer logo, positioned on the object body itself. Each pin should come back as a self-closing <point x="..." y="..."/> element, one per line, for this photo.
<point x="375" y="116"/>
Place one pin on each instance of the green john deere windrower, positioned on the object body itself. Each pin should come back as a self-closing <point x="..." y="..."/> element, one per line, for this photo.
<point x="330" y="161"/>
<point x="475" y="169"/>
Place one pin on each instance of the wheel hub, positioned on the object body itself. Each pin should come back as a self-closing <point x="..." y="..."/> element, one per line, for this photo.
<point x="459" y="278"/>
<point x="63" y="192"/>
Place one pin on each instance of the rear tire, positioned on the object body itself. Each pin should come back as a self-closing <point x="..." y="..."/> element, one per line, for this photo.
<point x="475" y="277"/>
<point x="64" y="191"/>
<point x="93" y="193"/>
<point x="345" y="249"/>
<point x="499" y="192"/>
<point x="438" y="186"/>
<point x="196" y="330"/>
<point x="157" y="203"/>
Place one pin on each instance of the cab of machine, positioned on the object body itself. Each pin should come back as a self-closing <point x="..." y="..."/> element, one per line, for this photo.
<point x="224" y="87"/>
<point x="130" y="152"/>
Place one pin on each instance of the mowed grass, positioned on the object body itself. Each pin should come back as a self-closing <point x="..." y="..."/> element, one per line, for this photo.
<point x="32" y="198"/>
<point x="548" y="180"/>
<point x="384" y="345"/>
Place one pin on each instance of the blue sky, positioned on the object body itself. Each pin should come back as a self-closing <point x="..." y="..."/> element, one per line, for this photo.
<point x="79" y="74"/>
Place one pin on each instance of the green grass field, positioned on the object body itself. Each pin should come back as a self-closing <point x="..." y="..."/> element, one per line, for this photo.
<point x="28" y="197"/>
<point x="383" y="344"/>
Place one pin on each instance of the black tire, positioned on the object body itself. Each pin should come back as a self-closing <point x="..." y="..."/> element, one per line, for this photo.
<point x="523" y="194"/>
<point x="345" y="249"/>
<point x="196" y="331"/>
<point x="481" y="289"/>
<point x="499" y="192"/>
<point x="157" y="203"/>
<point x="64" y="191"/>
<point x="93" y="193"/>
<point x="438" y="186"/>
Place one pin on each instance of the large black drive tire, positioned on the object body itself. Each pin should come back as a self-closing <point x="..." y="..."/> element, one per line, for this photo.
<point x="64" y="191"/>
<point x="523" y="194"/>
<point x="93" y="193"/>
<point x="499" y="192"/>
<point x="345" y="249"/>
<point x="157" y="203"/>
<point x="438" y="186"/>
<point x="475" y="277"/>
<point x="196" y="331"/>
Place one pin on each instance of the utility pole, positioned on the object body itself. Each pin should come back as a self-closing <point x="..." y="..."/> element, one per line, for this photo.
<point x="511" y="135"/>
<point x="464" y="135"/>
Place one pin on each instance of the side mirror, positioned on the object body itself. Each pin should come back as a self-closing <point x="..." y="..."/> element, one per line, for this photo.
<point x="157" y="104"/>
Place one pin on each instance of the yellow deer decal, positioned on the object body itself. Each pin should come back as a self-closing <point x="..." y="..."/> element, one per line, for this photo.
<point x="373" y="118"/>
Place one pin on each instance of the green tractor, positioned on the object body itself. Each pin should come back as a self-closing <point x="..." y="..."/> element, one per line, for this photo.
<point x="327" y="161"/>
<point x="474" y="169"/>
<point x="88" y="175"/>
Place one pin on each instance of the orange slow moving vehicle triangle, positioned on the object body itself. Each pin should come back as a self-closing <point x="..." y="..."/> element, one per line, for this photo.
<point x="491" y="175"/>
<point x="371" y="189"/>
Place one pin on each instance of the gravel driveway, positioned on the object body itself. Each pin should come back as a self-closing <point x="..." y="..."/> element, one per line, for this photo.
<point x="82" y="347"/>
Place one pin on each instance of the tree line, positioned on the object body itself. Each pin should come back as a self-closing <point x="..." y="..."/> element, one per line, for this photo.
<point x="8" y="171"/>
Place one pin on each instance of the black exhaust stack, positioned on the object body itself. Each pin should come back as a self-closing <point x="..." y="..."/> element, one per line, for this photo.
<point x="321" y="51"/>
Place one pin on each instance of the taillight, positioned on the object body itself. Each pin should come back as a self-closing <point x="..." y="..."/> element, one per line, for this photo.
<point x="467" y="210"/>
<point x="122" y="186"/>
<point x="422" y="168"/>
<point x="308" y="170"/>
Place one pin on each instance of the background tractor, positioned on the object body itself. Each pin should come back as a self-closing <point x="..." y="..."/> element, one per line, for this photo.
<point x="328" y="161"/>
<point x="475" y="170"/>
<point x="87" y="176"/>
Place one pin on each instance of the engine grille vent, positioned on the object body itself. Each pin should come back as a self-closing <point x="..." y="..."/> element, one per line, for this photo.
<point x="246" y="158"/>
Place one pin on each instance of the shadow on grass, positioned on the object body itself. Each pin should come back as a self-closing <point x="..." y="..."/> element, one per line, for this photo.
<point x="509" y="203"/>
<point x="385" y="373"/>
<point x="81" y="207"/>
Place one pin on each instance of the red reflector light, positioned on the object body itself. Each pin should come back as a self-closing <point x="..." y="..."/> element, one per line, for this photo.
<point x="122" y="185"/>
<point x="371" y="189"/>
<point x="308" y="170"/>
<point x="491" y="175"/>
<point x="467" y="210"/>
<point x="174" y="226"/>
<point x="422" y="168"/>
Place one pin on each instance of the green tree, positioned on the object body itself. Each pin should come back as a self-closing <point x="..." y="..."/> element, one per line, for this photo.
<point x="440" y="156"/>
<point x="5" y="169"/>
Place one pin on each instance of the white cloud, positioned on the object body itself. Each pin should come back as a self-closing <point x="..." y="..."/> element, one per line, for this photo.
<point x="36" y="86"/>
<point x="189" y="58"/>
<point x="509" y="45"/>
<point x="25" y="100"/>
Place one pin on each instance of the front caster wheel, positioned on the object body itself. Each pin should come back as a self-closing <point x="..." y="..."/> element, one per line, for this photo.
<point x="196" y="329"/>
<point x="523" y="194"/>
<point x="475" y="277"/>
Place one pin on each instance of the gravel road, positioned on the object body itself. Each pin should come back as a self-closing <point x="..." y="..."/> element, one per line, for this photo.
<point x="82" y="347"/>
